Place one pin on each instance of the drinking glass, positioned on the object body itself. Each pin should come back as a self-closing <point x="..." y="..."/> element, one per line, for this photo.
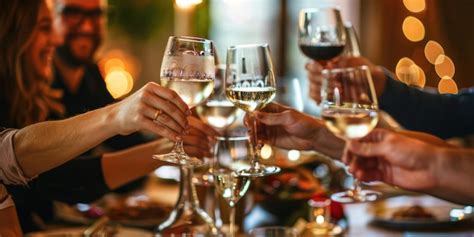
<point x="188" y="68"/>
<point x="250" y="85"/>
<point x="352" y="48"/>
<point x="273" y="231"/>
<point x="349" y="109"/>
<point x="231" y="155"/>
<point x="322" y="35"/>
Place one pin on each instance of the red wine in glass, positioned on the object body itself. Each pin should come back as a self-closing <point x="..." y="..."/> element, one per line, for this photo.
<point x="322" y="52"/>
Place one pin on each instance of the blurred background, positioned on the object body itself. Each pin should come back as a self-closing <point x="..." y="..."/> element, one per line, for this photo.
<point x="433" y="37"/>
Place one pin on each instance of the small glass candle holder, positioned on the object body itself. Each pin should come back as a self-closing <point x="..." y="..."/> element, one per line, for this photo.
<point x="320" y="214"/>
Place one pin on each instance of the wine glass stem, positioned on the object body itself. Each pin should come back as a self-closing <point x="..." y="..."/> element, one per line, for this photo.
<point x="255" y="144"/>
<point x="178" y="147"/>
<point x="232" y="221"/>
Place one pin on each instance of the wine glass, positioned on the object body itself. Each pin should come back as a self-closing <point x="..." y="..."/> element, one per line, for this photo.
<point x="349" y="109"/>
<point x="322" y="35"/>
<point x="250" y="85"/>
<point x="218" y="111"/>
<point x="188" y="68"/>
<point x="231" y="155"/>
<point x="352" y="48"/>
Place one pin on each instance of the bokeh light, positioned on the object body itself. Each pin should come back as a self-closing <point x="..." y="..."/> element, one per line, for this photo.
<point x="294" y="155"/>
<point x="421" y="80"/>
<point x="447" y="86"/>
<point x="433" y="50"/>
<point x="444" y="66"/>
<point x="119" y="83"/>
<point x="266" y="151"/>
<point x="113" y="64"/>
<point x="406" y="70"/>
<point x="413" y="29"/>
<point x="185" y="4"/>
<point x="415" y="6"/>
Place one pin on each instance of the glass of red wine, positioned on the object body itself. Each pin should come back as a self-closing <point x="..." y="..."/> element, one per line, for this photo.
<point x="322" y="34"/>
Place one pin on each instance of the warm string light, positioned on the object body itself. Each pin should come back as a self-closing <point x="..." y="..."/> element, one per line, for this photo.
<point x="408" y="71"/>
<point x="118" y="70"/>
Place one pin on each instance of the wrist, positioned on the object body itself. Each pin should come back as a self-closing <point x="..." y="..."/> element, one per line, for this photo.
<point x="109" y="120"/>
<point x="440" y="164"/>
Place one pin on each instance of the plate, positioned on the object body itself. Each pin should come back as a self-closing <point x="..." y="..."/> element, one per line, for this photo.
<point x="134" y="211"/>
<point x="445" y="214"/>
<point x="73" y="232"/>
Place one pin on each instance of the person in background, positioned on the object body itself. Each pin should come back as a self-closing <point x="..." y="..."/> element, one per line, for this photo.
<point x="442" y="115"/>
<point x="26" y="98"/>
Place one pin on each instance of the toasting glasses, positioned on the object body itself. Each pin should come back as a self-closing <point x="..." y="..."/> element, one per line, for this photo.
<point x="250" y="85"/>
<point x="349" y="109"/>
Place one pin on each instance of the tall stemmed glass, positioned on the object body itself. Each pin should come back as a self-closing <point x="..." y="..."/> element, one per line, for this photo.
<point x="321" y="33"/>
<point x="250" y="85"/>
<point x="349" y="109"/>
<point x="188" y="68"/>
<point x="231" y="155"/>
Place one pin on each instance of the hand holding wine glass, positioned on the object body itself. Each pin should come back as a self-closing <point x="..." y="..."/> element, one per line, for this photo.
<point x="250" y="85"/>
<point x="349" y="109"/>
<point x="188" y="68"/>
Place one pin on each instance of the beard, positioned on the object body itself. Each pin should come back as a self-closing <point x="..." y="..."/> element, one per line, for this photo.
<point x="67" y="55"/>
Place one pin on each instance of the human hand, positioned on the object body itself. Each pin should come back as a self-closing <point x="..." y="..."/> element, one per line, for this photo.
<point x="285" y="127"/>
<point x="199" y="139"/>
<point x="314" y="70"/>
<point x="138" y="111"/>
<point x="393" y="158"/>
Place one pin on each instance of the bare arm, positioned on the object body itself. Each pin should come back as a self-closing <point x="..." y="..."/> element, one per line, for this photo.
<point x="46" y="145"/>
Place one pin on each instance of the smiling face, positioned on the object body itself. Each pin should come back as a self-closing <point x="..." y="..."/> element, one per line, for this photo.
<point x="40" y="50"/>
<point x="81" y="23"/>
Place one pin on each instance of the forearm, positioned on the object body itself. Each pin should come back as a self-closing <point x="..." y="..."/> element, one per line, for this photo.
<point x="329" y="144"/>
<point x="124" y="166"/>
<point x="46" y="145"/>
<point x="456" y="180"/>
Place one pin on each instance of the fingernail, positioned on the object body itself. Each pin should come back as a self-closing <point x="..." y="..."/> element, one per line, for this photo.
<point x="178" y="138"/>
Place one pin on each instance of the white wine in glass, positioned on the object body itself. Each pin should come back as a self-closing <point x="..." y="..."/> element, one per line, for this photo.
<point x="218" y="113"/>
<point x="250" y="85"/>
<point x="192" y="91"/>
<point x="231" y="187"/>
<point x="349" y="108"/>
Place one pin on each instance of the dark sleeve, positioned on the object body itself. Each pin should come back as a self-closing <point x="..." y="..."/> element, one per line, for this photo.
<point x="442" y="115"/>
<point x="79" y="180"/>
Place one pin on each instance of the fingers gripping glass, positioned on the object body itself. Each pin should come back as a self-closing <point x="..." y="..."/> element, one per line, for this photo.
<point x="188" y="68"/>
<point x="349" y="109"/>
<point x="250" y="85"/>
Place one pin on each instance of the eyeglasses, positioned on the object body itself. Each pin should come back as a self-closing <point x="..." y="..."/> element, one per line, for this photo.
<point x="74" y="15"/>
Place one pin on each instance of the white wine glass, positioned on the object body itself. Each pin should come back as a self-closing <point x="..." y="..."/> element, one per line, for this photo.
<point x="250" y="85"/>
<point x="322" y="35"/>
<point x="349" y="108"/>
<point x="188" y="68"/>
<point x="231" y="155"/>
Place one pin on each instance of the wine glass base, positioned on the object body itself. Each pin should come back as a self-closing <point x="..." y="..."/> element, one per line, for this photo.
<point x="180" y="159"/>
<point x="350" y="197"/>
<point x="261" y="171"/>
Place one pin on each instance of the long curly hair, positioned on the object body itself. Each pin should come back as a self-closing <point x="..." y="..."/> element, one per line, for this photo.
<point x="24" y="98"/>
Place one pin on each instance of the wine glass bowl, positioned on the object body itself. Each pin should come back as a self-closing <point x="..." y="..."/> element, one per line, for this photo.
<point x="349" y="109"/>
<point x="188" y="68"/>
<point x="321" y="33"/>
<point x="250" y="85"/>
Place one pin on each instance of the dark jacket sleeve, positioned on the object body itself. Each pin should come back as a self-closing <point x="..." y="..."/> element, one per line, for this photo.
<point x="442" y="115"/>
<point x="79" y="180"/>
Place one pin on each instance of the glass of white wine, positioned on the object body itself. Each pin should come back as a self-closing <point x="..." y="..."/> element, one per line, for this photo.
<point x="349" y="109"/>
<point x="188" y="68"/>
<point x="231" y="155"/>
<point x="250" y="85"/>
